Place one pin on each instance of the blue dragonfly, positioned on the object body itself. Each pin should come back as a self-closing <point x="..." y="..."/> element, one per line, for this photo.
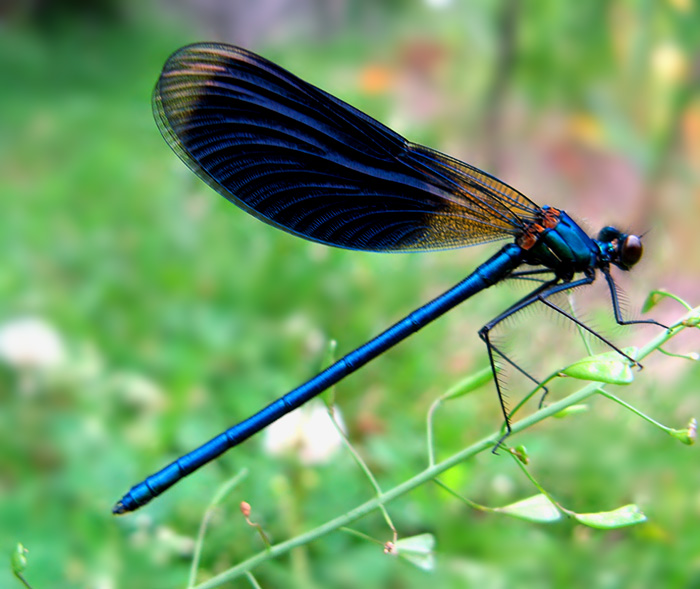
<point x="306" y="162"/>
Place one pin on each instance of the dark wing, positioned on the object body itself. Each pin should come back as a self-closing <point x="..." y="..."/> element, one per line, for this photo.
<point x="302" y="160"/>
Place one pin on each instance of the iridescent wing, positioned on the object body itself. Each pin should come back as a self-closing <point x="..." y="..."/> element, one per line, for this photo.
<point x="302" y="160"/>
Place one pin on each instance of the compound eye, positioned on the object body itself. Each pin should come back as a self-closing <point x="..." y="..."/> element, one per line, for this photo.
<point x="631" y="251"/>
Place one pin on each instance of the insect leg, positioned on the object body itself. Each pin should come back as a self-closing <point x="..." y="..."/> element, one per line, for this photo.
<point x="539" y="294"/>
<point x="616" y="304"/>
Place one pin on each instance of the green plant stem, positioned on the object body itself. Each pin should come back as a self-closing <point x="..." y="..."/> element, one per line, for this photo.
<point x="361" y="535"/>
<point x="387" y="496"/>
<point x="431" y="472"/>
<point x="365" y="469"/>
<point x="540" y="488"/>
<point x="664" y="293"/>
<point x="692" y="356"/>
<point x="220" y="494"/>
<point x="634" y="410"/>
<point x="429" y="430"/>
<point x="24" y="581"/>
<point x="462" y="498"/>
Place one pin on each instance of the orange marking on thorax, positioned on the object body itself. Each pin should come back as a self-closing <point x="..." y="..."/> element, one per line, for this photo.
<point x="532" y="233"/>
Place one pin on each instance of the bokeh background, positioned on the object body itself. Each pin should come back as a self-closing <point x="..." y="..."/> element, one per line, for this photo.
<point x="140" y="313"/>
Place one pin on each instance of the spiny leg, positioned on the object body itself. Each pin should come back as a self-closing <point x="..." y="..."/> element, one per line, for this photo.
<point x="484" y="335"/>
<point x="532" y="275"/>
<point x="539" y="294"/>
<point x="616" y="304"/>
<point x="531" y="272"/>
<point x="581" y="324"/>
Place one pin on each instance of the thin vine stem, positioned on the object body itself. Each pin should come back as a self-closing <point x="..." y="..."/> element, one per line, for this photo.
<point x="430" y="473"/>
<point x="387" y="496"/>
<point x="365" y="469"/>
<point x="224" y="490"/>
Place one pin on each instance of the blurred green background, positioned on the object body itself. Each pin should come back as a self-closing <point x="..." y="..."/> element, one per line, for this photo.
<point x="140" y="313"/>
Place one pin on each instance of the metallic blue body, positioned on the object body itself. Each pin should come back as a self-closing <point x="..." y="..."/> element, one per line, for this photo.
<point x="305" y="162"/>
<point x="566" y="248"/>
<point x="490" y="272"/>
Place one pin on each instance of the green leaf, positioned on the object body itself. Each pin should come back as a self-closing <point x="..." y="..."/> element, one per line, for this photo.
<point x="687" y="435"/>
<point x="469" y="384"/>
<point x="537" y="508"/>
<point x="610" y="367"/>
<point x="652" y="300"/>
<point x="520" y="452"/>
<point x="619" y="518"/>
<point x="418" y="550"/>
<point x="18" y="559"/>
<point x="329" y="356"/>
<point x="571" y="410"/>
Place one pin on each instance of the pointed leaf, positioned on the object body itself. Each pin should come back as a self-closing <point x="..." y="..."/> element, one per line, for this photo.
<point x="627" y="515"/>
<point x="537" y="508"/>
<point x="331" y="348"/>
<point x="687" y="435"/>
<point x="469" y="384"/>
<point x="571" y="410"/>
<point x="520" y="452"/>
<point x="652" y="300"/>
<point x="418" y="550"/>
<point x="18" y="559"/>
<point x="609" y="367"/>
